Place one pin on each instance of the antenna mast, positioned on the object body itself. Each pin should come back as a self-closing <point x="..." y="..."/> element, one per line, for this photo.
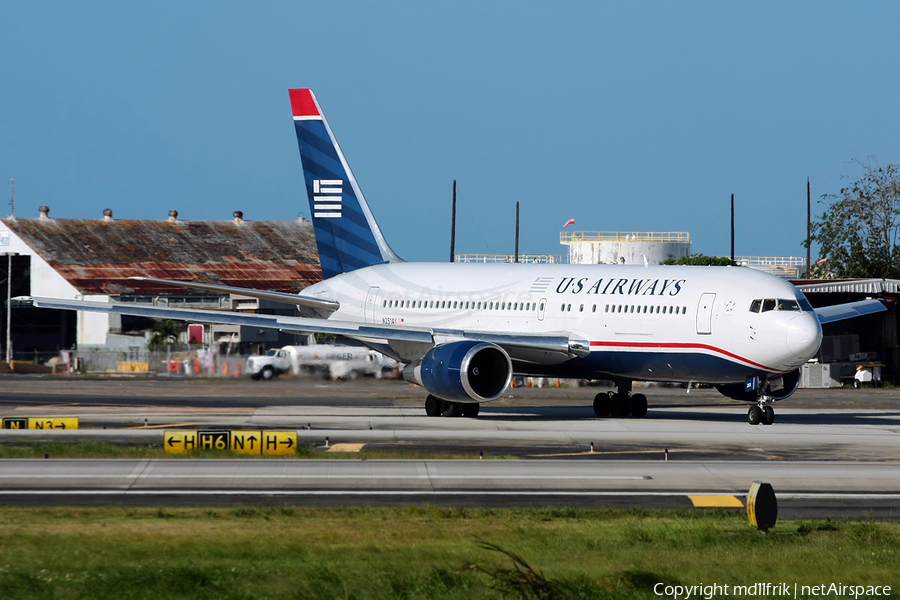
<point x="12" y="200"/>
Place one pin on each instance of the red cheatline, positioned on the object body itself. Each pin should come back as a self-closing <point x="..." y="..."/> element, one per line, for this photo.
<point x="569" y="222"/>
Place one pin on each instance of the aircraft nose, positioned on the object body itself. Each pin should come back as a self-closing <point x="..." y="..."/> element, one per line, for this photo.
<point x="804" y="334"/>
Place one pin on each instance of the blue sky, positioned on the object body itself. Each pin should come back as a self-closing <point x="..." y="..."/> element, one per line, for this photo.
<point x="641" y="116"/>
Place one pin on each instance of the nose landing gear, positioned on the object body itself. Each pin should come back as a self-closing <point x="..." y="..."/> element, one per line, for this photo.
<point x="762" y="413"/>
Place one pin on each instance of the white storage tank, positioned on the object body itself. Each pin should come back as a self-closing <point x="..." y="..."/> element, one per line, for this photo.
<point x="625" y="247"/>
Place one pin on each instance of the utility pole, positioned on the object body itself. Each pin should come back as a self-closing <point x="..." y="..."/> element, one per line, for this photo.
<point x="808" y="229"/>
<point x="9" y="256"/>
<point x="732" y="228"/>
<point x="453" y="226"/>
<point x="12" y="200"/>
<point x="517" y="232"/>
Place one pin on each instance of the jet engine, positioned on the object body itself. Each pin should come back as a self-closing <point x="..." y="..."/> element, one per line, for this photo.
<point x="466" y="371"/>
<point x="778" y="388"/>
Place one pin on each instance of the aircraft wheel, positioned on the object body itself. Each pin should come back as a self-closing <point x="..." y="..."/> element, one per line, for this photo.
<point x="601" y="405"/>
<point x="452" y="409"/>
<point x="470" y="409"/>
<point x="768" y="415"/>
<point x="638" y="405"/>
<point x="755" y="415"/>
<point x="620" y="406"/>
<point x="432" y="406"/>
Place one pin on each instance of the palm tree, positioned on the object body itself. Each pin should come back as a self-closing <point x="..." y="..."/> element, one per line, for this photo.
<point x="163" y="332"/>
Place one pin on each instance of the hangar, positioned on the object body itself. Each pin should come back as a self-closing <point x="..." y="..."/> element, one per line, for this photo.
<point x="93" y="259"/>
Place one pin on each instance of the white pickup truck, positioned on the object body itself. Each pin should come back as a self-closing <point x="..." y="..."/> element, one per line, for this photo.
<point x="272" y="363"/>
<point x="340" y="362"/>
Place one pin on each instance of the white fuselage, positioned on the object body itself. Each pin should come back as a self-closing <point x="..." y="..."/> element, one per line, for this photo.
<point x="663" y="323"/>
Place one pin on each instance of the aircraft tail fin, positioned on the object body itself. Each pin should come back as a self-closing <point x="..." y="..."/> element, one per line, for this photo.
<point x="347" y="235"/>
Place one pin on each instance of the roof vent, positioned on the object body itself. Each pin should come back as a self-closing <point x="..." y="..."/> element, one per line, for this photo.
<point x="107" y="214"/>
<point x="45" y="212"/>
<point x="173" y="215"/>
<point x="238" y="216"/>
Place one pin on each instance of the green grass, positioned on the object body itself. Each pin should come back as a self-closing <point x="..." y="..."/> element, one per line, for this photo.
<point x="421" y="552"/>
<point x="103" y="450"/>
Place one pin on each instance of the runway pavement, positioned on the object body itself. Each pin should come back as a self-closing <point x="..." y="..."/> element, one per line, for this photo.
<point x="803" y="489"/>
<point x="832" y="452"/>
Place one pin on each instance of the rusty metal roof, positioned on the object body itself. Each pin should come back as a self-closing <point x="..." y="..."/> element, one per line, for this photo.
<point x="98" y="256"/>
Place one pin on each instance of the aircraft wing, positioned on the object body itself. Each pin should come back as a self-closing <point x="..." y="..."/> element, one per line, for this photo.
<point x="295" y="299"/>
<point x="548" y="349"/>
<point x="298" y="324"/>
<point x="829" y="314"/>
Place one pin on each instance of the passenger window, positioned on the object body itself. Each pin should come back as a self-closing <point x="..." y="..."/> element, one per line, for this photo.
<point x="569" y="308"/>
<point x="632" y="308"/>
<point x="684" y="310"/>
<point x="581" y="308"/>
<point x="594" y="309"/>
<point x="768" y="304"/>
<point x="664" y="310"/>
<point x="788" y="304"/>
<point x="619" y="309"/>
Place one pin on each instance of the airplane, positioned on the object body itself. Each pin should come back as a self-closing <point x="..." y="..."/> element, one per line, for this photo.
<point x="463" y="330"/>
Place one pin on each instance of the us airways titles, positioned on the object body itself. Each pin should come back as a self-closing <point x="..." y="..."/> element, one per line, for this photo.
<point x="625" y="287"/>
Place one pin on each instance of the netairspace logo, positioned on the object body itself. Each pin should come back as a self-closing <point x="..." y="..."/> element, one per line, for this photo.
<point x="708" y="592"/>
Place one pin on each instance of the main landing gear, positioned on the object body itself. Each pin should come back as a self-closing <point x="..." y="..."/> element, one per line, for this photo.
<point x="762" y="413"/>
<point x="436" y="407"/>
<point x="620" y="403"/>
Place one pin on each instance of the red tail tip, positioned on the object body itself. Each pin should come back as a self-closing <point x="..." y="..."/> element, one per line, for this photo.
<point x="303" y="104"/>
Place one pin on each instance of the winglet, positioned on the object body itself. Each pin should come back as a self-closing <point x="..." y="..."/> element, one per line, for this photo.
<point x="303" y="104"/>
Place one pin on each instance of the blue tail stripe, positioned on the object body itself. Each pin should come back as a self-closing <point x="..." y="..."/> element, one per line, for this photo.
<point x="349" y="237"/>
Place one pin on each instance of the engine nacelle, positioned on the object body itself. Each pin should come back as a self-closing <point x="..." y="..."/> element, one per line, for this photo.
<point x="467" y="371"/>
<point x="779" y="388"/>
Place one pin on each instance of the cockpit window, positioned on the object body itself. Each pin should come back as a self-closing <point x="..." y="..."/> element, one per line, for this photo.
<point x="768" y="304"/>
<point x="271" y="353"/>
<point x="804" y="304"/>
<point x="754" y="306"/>
<point x="784" y="304"/>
